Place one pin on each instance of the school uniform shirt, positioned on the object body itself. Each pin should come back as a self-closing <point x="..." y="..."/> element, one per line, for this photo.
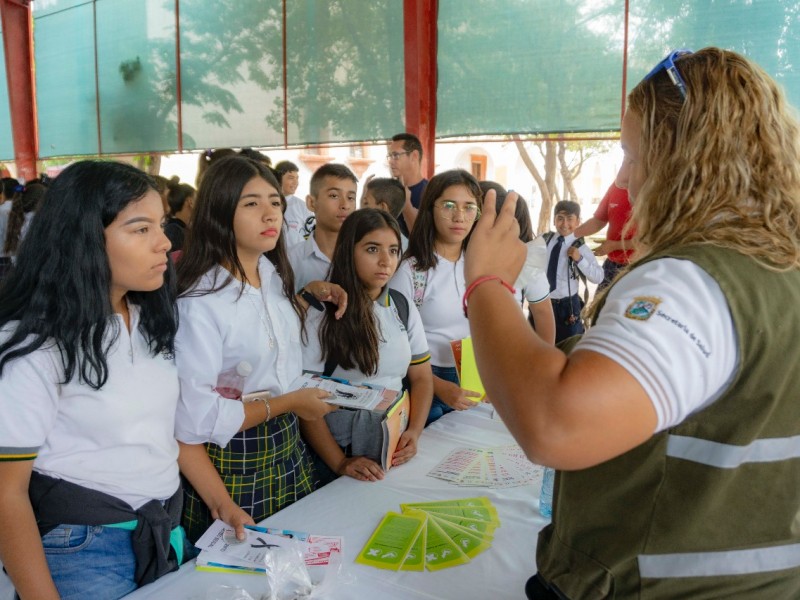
<point x="565" y="285"/>
<point x="533" y="276"/>
<point x="295" y="219"/>
<point x="118" y="440"/>
<point x="398" y="348"/>
<point x="308" y="262"/>
<point x="678" y="341"/>
<point x="441" y="312"/>
<point x="219" y="330"/>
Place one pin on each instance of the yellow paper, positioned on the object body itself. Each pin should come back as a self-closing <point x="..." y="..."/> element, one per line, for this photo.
<point x="470" y="380"/>
<point x="391" y="542"/>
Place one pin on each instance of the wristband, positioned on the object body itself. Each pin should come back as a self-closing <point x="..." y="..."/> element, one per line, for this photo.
<point x="480" y="280"/>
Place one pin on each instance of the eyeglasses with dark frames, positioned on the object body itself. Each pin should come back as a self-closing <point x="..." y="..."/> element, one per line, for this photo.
<point x="397" y="155"/>
<point x="668" y="65"/>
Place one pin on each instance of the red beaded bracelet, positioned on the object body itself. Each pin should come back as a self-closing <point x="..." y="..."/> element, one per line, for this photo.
<point x="479" y="281"/>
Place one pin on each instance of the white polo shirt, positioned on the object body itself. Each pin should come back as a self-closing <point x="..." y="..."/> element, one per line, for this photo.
<point x="398" y="349"/>
<point x="308" y="262"/>
<point x="219" y="330"/>
<point x="295" y="218"/>
<point x="118" y="440"/>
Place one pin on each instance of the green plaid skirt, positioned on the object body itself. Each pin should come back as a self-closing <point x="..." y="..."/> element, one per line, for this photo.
<point x="265" y="469"/>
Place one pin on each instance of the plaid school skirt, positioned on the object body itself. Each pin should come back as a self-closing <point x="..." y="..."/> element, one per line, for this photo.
<point x="265" y="469"/>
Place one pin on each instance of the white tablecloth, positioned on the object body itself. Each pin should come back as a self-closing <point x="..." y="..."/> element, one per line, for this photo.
<point x="353" y="509"/>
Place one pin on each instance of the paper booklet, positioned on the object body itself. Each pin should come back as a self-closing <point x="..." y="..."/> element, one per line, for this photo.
<point x="221" y="551"/>
<point x="347" y="394"/>
<point x="431" y="535"/>
<point x="394" y="424"/>
<point x="498" y="467"/>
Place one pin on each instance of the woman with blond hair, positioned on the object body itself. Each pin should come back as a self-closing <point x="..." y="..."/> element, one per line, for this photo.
<point x="674" y="422"/>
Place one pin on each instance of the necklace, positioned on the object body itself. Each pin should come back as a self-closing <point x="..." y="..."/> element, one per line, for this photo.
<point x="266" y="323"/>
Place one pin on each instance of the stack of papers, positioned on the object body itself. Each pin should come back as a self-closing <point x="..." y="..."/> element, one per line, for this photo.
<point x="499" y="467"/>
<point x="346" y="394"/>
<point x="431" y="535"/>
<point x="221" y="551"/>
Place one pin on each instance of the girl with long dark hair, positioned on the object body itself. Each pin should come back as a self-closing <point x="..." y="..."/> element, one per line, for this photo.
<point x="90" y="502"/>
<point x="432" y="273"/>
<point x="372" y="343"/>
<point x="237" y="304"/>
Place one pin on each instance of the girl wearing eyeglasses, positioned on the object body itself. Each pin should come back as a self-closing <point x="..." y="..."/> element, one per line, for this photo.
<point x="674" y="422"/>
<point x="432" y="273"/>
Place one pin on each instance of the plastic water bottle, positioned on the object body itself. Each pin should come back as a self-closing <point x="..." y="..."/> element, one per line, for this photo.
<point x="546" y="495"/>
<point x="230" y="382"/>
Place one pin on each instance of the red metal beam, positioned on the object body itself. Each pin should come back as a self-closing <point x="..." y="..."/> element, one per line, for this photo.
<point x="18" y="47"/>
<point x="419" y="37"/>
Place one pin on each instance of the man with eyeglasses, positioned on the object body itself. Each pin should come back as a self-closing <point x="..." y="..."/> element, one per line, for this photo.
<point x="405" y="163"/>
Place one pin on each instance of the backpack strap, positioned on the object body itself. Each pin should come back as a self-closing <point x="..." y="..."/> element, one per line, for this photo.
<point x="577" y="244"/>
<point x="401" y="304"/>
<point x="548" y="235"/>
<point x="330" y="367"/>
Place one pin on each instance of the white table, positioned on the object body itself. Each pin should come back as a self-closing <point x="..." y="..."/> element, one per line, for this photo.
<point x="352" y="509"/>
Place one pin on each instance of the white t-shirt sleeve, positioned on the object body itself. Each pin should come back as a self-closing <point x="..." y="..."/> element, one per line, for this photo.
<point x="202" y="415"/>
<point x="28" y="403"/>
<point x="668" y="324"/>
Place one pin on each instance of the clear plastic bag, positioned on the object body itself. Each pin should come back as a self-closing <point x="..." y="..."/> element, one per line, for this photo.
<point x="289" y="578"/>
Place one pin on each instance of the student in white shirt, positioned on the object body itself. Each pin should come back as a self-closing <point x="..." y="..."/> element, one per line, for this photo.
<point x="369" y="344"/>
<point x="237" y="303"/>
<point x="332" y="197"/>
<point x="566" y="259"/>
<point x="88" y="391"/>
<point x="432" y="273"/>
<point x="297" y="213"/>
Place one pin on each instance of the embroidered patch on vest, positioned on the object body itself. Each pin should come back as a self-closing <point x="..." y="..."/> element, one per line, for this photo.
<point x="642" y="308"/>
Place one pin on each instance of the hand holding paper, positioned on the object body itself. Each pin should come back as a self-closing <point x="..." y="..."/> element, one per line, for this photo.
<point x="467" y="368"/>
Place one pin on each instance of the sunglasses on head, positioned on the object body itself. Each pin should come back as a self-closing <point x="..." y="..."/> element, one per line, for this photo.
<point x="668" y="65"/>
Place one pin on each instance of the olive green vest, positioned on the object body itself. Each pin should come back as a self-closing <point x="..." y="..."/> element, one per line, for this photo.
<point x="709" y="508"/>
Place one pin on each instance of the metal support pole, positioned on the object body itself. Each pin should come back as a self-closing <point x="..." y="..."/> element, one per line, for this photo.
<point x="419" y="36"/>
<point x="18" y="46"/>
